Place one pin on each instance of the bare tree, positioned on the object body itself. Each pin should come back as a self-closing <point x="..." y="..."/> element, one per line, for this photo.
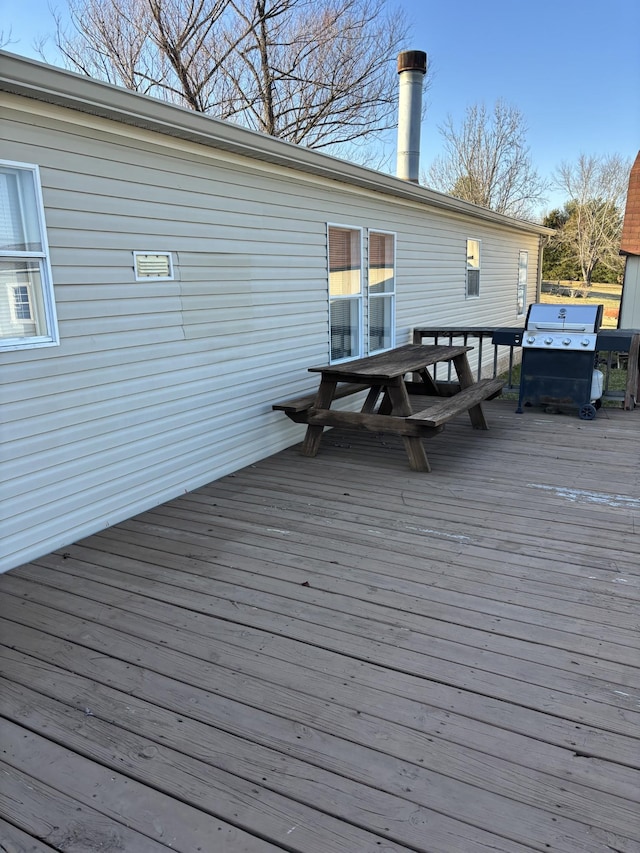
<point x="315" y="72"/>
<point x="487" y="161"/>
<point x="321" y="73"/>
<point x="158" y="47"/>
<point x="596" y="188"/>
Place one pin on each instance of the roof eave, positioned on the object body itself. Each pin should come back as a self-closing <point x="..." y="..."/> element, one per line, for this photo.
<point x="51" y="85"/>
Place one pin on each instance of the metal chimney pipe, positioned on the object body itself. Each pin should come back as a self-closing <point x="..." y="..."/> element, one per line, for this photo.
<point x="412" y="66"/>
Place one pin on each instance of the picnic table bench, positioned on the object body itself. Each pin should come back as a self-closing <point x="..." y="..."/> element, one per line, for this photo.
<point x="387" y="407"/>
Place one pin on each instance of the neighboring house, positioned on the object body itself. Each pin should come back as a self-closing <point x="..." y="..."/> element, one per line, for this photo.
<point x="630" y="246"/>
<point x="166" y="277"/>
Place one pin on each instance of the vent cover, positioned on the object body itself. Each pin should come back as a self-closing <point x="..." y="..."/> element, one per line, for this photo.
<point x="154" y="266"/>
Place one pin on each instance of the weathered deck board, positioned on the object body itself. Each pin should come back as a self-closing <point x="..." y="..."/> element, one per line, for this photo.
<point x="404" y="630"/>
<point x="156" y="764"/>
<point x="259" y="726"/>
<point x="396" y="646"/>
<point x="445" y="624"/>
<point x="341" y="654"/>
<point x="15" y="839"/>
<point x="500" y="606"/>
<point x="49" y="813"/>
<point x="257" y="765"/>
<point x="192" y="517"/>
<point x="445" y="549"/>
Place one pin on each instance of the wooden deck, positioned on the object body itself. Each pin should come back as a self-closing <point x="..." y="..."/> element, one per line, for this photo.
<point x="340" y="655"/>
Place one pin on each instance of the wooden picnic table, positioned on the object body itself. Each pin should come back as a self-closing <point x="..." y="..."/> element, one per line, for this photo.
<point x="387" y="407"/>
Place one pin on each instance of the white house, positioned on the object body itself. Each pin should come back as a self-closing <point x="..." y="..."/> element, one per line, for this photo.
<point x="165" y="277"/>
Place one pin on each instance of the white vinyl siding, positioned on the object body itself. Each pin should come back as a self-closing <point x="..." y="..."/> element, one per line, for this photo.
<point x="159" y="387"/>
<point x="27" y="309"/>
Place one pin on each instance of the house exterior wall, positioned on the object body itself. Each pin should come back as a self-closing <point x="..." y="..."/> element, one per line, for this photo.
<point x="159" y="387"/>
<point x="630" y="304"/>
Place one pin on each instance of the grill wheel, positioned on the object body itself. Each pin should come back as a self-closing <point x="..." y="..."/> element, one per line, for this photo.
<point x="587" y="412"/>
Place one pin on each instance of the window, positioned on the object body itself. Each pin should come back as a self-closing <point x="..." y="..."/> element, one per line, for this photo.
<point x="473" y="268"/>
<point x="523" y="263"/>
<point x="345" y="292"/>
<point x="21" y="303"/>
<point x="27" y="309"/>
<point x="382" y="289"/>
<point x="357" y="323"/>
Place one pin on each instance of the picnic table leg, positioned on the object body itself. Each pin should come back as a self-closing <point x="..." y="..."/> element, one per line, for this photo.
<point x="428" y="382"/>
<point x="372" y="399"/>
<point x="386" y="405"/>
<point x="401" y="406"/>
<point x="313" y="436"/>
<point x="465" y="377"/>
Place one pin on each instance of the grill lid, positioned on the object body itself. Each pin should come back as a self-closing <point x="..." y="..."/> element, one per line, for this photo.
<point x="564" y="318"/>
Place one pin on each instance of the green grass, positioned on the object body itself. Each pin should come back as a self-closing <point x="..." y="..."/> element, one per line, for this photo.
<point x="601" y="294"/>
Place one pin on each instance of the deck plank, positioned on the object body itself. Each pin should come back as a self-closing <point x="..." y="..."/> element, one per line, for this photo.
<point x="539" y="740"/>
<point x="548" y="616"/>
<point x="14" y="840"/>
<point x="151" y="759"/>
<point x="172" y="525"/>
<point x="210" y="786"/>
<point x="338" y="653"/>
<point x="385" y="643"/>
<point x="48" y="814"/>
<point x="148" y="760"/>
<point x="407" y="597"/>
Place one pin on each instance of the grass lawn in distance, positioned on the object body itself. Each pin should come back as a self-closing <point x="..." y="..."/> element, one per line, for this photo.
<point x="572" y="292"/>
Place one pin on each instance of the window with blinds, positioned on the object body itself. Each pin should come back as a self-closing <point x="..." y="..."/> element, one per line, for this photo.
<point x="27" y="309"/>
<point x="345" y="292"/>
<point x="361" y="297"/>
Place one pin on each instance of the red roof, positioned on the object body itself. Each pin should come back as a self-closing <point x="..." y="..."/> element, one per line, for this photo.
<point x="630" y="241"/>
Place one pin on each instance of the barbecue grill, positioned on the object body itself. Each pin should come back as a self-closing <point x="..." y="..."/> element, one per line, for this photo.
<point x="559" y="358"/>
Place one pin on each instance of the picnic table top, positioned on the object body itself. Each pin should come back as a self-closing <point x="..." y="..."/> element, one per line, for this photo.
<point x="391" y="363"/>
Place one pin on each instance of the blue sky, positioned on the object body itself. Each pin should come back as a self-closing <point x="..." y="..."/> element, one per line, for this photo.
<point x="572" y="67"/>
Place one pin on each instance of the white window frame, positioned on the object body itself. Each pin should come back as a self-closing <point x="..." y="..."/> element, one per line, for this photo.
<point x="389" y="295"/>
<point x="51" y="338"/>
<point x="12" y="302"/>
<point x="521" y="293"/>
<point x="470" y="267"/>
<point x="359" y="297"/>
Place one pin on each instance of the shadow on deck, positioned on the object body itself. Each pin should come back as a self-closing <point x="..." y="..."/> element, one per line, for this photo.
<point x="340" y="655"/>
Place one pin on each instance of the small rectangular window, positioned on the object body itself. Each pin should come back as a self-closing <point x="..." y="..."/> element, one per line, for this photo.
<point x="382" y="290"/>
<point x="27" y="307"/>
<point x="473" y="268"/>
<point x="21" y="303"/>
<point x="345" y="291"/>
<point x="523" y="263"/>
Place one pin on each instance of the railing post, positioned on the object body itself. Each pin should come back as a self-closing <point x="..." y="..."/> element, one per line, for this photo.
<point x="632" y="389"/>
